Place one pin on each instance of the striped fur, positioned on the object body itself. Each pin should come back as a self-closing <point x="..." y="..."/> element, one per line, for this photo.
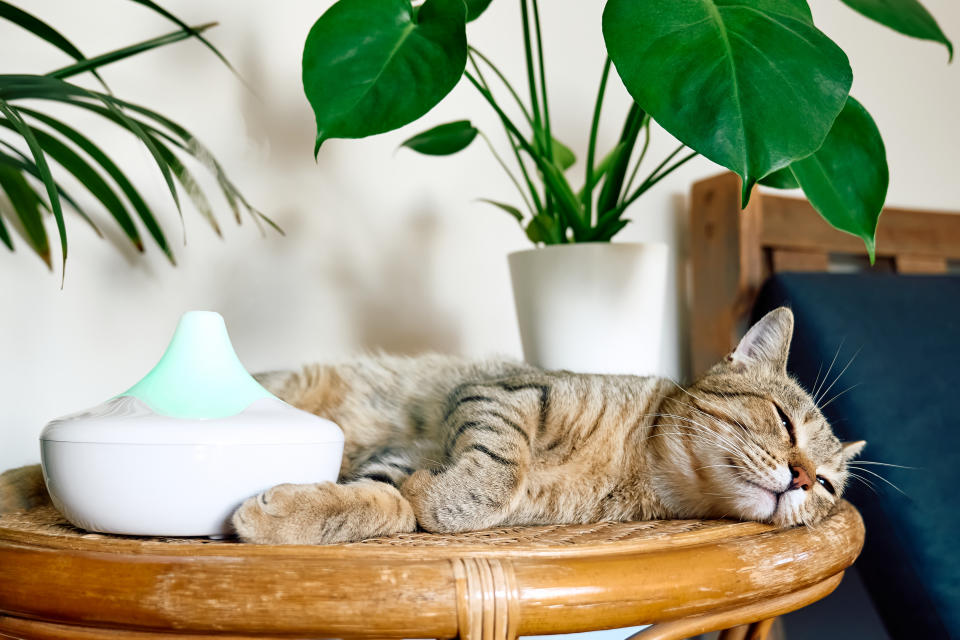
<point x="448" y="445"/>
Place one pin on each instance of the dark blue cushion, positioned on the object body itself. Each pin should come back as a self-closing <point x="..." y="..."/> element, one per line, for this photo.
<point x="905" y="331"/>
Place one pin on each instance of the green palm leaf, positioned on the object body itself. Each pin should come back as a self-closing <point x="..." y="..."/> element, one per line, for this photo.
<point x="143" y="211"/>
<point x="26" y="165"/>
<point x="89" y="64"/>
<point x="83" y="158"/>
<point x="44" y="169"/>
<point x="89" y="178"/>
<point x="44" y="31"/>
<point x="27" y="207"/>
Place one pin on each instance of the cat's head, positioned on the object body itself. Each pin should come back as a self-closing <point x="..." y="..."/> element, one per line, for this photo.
<point x="747" y="441"/>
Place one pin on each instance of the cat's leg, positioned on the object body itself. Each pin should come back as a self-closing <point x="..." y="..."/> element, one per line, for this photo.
<point x="488" y="429"/>
<point x="324" y="513"/>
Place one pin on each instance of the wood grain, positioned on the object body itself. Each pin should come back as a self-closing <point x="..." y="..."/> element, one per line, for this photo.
<point x="790" y="260"/>
<point x="633" y="573"/>
<point x="908" y="263"/>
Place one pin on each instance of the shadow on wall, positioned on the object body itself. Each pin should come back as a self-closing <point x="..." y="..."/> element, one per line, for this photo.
<point x="393" y="304"/>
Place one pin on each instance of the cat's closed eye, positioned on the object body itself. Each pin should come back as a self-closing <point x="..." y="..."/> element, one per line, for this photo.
<point x="787" y="424"/>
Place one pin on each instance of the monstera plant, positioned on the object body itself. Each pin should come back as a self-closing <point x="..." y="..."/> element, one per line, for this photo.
<point x="38" y="146"/>
<point x="752" y="85"/>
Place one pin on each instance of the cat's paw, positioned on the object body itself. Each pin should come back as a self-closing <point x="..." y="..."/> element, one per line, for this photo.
<point x="324" y="513"/>
<point x="450" y="503"/>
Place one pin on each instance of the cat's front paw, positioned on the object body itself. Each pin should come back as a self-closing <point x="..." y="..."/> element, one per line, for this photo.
<point x="324" y="513"/>
<point x="288" y="514"/>
<point x="448" y="503"/>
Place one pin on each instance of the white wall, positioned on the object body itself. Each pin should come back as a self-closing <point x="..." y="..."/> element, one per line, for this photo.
<point x="382" y="249"/>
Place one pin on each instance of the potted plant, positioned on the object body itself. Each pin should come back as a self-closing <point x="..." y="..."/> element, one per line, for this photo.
<point x="753" y="86"/>
<point x="37" y="141"/>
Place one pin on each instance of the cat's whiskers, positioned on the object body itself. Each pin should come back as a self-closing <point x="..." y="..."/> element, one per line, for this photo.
<point x="884" y="480"/>
<point x="817" y="380"/>
<point x="850" y="388"/>
<point x="710" y="404"/>
<point x="816" y="391"/>
<point x="730" y="430"/>
<point x="863" y="480"/>
<point x="715" y="438"/>
<point x="744" y="448"/>
<point x="685" y="430"/>
<point x="714" y="466"/>
<point x="713" y="432"/>
<point x="854" y="463"/>
<point x="837" y="379"/>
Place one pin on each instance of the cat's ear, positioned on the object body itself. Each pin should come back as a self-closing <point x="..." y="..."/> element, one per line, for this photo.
<point x="767" y="342"/>
<point x="852" y="449"/>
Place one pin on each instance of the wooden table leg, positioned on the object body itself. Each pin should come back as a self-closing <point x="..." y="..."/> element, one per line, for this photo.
<point x="738" y="632"/>
<point x="759" y="616"/>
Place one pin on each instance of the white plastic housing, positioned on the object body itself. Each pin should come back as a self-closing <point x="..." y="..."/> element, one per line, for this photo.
<point x="179" y="451"/>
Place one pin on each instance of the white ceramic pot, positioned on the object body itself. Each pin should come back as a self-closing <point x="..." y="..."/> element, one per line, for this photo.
<point x="591" y="307"/>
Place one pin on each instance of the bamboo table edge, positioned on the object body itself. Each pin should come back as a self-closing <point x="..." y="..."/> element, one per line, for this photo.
<point x="477" y="594"/>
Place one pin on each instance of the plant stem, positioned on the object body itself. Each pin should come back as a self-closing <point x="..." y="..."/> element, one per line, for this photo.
<point x="531" y="79"/>
<point x="509" y="173"/>
<point x="656" y="177"/>
<point x="592" y="146"/>
<point x="543" y="83"/>
<point x="643" y="153"/>
<point x="651" y="180"/>
<point x="516" y="138"/>
<point x="503" y="79"/>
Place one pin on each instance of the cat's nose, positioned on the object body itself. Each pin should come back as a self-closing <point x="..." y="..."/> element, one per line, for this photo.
<point x="801" y="479"/>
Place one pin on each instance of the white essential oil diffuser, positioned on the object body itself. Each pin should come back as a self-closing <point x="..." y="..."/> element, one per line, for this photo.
<point x="181" y="449"/>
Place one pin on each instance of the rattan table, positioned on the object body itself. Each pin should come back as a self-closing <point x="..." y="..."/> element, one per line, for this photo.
<point x="687" y="577"/>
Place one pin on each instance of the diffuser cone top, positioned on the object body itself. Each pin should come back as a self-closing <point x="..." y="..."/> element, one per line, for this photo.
<point x="199" y="375"/>
<point x="198" y="393"/>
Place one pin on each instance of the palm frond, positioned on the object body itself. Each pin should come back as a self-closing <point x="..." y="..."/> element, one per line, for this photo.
<point x="50" y="140"/>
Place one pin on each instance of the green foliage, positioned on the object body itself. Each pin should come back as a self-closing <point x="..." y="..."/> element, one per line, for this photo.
<point x="752" y="85"/>
<point x="909" y="17"/>
<point x="843" y="180"/>
<point x="734" y="54"/>
<point x="53" y="145"/>
<point x="371" y="66"/>
<point x="444" y="139"/>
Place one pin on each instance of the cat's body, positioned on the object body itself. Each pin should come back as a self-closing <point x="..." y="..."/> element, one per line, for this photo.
<point x="498" y="443"/>
<point x="446" y="445"/>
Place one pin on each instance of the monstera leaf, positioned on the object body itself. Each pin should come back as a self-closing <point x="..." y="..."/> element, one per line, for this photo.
<point x="371" y="66"/>
<point x="750" y="84"/>
<point x="443" y="139"/>
<point x="909" y="17"/>
<point x="846" y="179"/>
<point x="475" y="8"/>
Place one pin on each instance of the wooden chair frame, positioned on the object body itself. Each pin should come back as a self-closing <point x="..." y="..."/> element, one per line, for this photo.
<point x="733" y="252"/>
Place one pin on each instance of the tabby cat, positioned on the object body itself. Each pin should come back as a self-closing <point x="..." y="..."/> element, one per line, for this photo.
<point x="447" y="445"/>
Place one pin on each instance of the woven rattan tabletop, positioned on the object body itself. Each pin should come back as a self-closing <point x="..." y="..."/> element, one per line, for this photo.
<point x="486" y="584"/>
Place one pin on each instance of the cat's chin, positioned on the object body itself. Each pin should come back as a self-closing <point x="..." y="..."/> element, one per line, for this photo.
<point x="756" y="502"/>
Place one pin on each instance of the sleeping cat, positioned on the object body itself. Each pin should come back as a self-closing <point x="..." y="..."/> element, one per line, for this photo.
<point x="448" y="445"/>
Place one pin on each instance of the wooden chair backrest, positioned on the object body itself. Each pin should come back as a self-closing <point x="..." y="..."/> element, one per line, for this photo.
<point x="733" y="252"/>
